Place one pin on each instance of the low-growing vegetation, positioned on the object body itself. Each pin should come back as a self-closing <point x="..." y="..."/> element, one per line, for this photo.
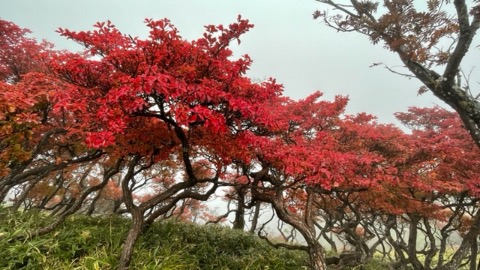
<point x="95" y="243"/>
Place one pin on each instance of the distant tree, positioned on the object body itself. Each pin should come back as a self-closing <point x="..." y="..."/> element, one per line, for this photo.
<point x="448" y="178"/>
<point x="19" y="53"/>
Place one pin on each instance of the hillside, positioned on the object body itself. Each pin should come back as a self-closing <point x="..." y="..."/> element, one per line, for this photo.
<point x="94" y="243"/>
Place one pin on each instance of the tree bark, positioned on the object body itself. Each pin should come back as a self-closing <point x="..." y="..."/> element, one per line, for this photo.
<point x="256" y="215"/>
<point x="316" y="257"/>
<point x="133" y="234"/>
<point x="412" y="243"/>
<point x="239" y="222"/>
<point x="473" y="255"/>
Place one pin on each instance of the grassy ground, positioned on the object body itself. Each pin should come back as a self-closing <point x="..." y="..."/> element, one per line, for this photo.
<point x="95" y="243"/>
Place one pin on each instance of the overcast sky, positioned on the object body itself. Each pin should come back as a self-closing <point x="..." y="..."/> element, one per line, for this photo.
<point x="286" y="43"/>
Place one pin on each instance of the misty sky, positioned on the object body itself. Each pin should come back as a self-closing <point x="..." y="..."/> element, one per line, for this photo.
<point x="286" y="43"/>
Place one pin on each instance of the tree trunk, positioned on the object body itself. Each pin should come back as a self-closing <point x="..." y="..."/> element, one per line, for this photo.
<point x="116" y="206"/>
<point x="92" y="206"/>
<point x="304" y="225"/>
<point x="412" y="243"/>
<point x="473" y="255"/>
<point x="316" y="258"/>
<point x="330" y="241"/>
<point x="256" y="215"/>
<point x="239" y="222"/>
<point x="3" y="193"/>
<point x="133" y="234"/>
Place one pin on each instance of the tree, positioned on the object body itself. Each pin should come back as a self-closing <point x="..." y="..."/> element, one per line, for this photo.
<point x="324" y="172"/>
<point x="20" y="54"/>
<point x="424" y="40"/>
<point x="447" y="179"/>
<point x="305" y="159"/>
<point x="38" y="137"/>
<point x="428" y="196"/>
<point x="162" y="100"/>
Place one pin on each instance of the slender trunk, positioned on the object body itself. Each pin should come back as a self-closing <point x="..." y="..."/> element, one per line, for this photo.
<point x="443" y="248"/>
<point x="412" y="243"/>
<point x="3" y="193"/>
<point x="133" y="234"/>
<point x="304" y="224"/>
<point x="330" y="241"/>
<point x="93" y="204"/>
<point x="256" y="215"/>
<point x="473" y="255"/>
<point x="137" y="216"/>
<point x="116" y="206"/>
<point x="239" y="222"/>
<point x="76" y="203"/>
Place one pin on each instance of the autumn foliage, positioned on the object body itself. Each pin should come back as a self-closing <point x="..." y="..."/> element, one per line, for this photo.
<point x="153" y="127"/>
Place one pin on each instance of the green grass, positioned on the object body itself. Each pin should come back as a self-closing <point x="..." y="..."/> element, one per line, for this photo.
<point x="95" y="243"/>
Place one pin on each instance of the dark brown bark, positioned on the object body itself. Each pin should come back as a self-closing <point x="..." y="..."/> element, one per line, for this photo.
<point x="473" y="255"/>
<point x="316" y="257"/>
<point x="412" y="243"/>
<point x="76" y="203"/>
<point x="139" y="223"/>
<point x="19" y="176"/>
<point x="330" y="241"/>
<point x="73" y="208"/>
<point x="256" y="215"/>
<point x="239" y="222"/>
<point x="129" y="243"/>
<point x="137" y="216"/>
<point x="172" y="201"/>
<point x="445" y="86"/>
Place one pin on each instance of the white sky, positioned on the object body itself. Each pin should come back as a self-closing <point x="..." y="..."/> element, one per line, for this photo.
<point x="286" y="43"/>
